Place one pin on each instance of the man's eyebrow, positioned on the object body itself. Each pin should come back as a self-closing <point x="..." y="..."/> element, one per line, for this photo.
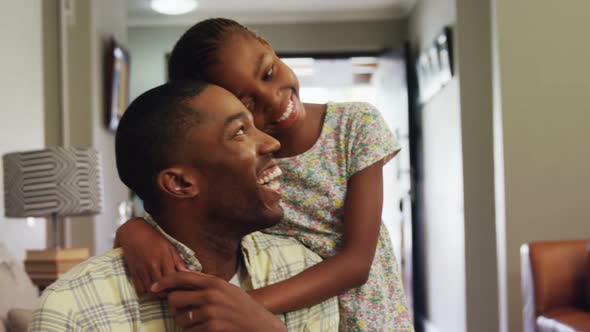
<point x="235" y="117"/>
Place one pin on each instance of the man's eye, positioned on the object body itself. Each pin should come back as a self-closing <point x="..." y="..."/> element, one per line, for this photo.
<point x="268" y="74"/>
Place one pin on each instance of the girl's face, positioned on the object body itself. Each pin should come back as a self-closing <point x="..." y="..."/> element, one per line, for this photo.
<point x="249" y="68"/>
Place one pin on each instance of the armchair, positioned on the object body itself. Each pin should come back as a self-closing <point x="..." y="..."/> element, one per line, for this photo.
<point x="556" y="286"/>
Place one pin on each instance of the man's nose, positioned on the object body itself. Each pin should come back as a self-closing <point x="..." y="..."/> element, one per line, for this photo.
<point x="268" y="144"/>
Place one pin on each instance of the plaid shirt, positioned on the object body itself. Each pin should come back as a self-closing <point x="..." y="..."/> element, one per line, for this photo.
<point x="97" y="295"/>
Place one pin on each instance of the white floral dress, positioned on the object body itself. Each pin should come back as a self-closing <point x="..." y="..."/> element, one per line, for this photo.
<point x="354" y="136"/>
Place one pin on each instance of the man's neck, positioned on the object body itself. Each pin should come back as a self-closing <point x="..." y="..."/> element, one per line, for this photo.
<point x="219" y="255"/>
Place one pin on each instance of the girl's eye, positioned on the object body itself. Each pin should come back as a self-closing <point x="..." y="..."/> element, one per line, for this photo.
<point x="268" y="74"/>
<point x="249" y="103"/>
<point x="240" y="132"/>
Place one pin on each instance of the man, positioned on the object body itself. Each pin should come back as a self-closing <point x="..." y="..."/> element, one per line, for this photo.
<point x="206" y="176"/>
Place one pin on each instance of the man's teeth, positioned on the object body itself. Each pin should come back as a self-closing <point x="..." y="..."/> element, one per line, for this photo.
<point x="274" y="185"/>
<point x="274" y="173"/>
<point x="287" y="113"/>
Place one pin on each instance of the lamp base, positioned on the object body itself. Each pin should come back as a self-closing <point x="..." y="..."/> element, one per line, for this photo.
<point x="46" y="266"/>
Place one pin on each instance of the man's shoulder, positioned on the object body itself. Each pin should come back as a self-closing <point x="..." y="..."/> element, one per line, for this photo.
<point x="97" y="285"/>
<point x="272" y="258"/>
<point x="278" y="249"/>
<point x="259" y="242"/>
<point x="108" y="266"/>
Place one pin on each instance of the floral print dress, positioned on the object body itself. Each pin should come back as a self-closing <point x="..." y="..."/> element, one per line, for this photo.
<point x="354" y="136"/>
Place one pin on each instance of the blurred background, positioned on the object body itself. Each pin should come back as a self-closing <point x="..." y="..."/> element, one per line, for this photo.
<point x="494" y="131"/>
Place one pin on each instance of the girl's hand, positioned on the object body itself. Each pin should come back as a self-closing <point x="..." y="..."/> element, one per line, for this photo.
<point x="148" y="255"/>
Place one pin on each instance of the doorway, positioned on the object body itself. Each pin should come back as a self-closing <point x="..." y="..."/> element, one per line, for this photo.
<point x="380" y="79"/>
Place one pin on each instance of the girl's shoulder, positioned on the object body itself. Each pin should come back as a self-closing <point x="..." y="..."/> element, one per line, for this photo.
<point x="352" y="108"/>
<point x="352" y="113"/>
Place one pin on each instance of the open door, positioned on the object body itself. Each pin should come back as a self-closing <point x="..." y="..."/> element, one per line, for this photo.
<point x="391" y="98"/>
<point x="380" y="79"/>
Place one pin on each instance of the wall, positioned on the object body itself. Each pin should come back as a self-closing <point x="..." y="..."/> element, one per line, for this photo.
<point x="109" y="20"/>
<point x="441" y="182"/>
<point x="21" y="114"/>
<point x="542" y="51"/>
<point x="31" y="94"/>
<point x="149" y="45"/>
<point x="79" y="125"/>
<point x="87" y="37"/>
<point x="474" y="56"/>
<point x="458" y="173"/>
<point x="51" y="72"/>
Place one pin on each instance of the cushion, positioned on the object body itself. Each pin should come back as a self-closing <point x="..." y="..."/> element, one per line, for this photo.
<point x="16" y="289"/>
<point x="587" y="281"/>
<point x="19" y="320"/>
<point x="559" y="270"/>
<point x="567" y="319"/>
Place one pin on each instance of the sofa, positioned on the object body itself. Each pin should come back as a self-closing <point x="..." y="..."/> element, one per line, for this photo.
<point x="18" y="295"/>
<point x="556" y="286"/>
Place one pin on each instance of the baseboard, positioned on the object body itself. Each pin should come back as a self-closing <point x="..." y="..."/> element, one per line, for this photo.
<point x="429" y="327"/>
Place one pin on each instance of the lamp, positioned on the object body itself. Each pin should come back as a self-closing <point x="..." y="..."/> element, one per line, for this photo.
<point x="174" y="7"/>
<point x="56" y="182"/>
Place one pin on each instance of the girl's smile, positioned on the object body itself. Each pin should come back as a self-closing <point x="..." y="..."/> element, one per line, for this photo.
<point x="258" y="77"/>
<point x="287" y="116"/>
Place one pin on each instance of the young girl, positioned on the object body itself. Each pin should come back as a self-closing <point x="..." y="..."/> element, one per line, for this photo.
<point x="331" y="156"/>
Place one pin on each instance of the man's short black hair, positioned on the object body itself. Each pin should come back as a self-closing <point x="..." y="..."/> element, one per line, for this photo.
<point x="151" y="132"/>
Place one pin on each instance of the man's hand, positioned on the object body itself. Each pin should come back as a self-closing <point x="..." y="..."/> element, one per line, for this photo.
<point x="201" y="302"/>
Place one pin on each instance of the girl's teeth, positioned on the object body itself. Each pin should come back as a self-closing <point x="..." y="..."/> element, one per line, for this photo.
<point x="287" y="113"/>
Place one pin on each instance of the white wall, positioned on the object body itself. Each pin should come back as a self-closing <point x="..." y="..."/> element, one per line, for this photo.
<point x="458" y="173"/>
<point x="149" y="45"/>
<point x="442" y="184"/>
<point x="109" y="20"/>
<point x="78" y="130"/>
<point x="543" y="51"/>
<point x="87" y="38"/>
<point x="21" y="112"/>
<point x="474" y="56"/>
<point x="539" y="115"/>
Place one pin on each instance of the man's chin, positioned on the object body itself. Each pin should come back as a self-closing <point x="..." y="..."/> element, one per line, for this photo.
<point x="271" y="218"/>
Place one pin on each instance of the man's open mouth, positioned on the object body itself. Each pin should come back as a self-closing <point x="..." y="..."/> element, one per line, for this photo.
<point x="269" y="178"/>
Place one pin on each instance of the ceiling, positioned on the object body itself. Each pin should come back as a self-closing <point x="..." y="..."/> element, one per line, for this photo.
<point x="274" y="11"/>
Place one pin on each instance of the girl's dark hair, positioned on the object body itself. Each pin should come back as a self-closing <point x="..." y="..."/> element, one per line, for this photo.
<point x="196" y="50"/>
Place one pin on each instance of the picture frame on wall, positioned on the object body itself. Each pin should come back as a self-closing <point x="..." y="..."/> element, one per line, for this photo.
<point x="434" y="82"/>
<point x="434" y="66"/>
<point x="444" y="46"/>
<point x="422" y="72"/>
<point x="117" y="65"/>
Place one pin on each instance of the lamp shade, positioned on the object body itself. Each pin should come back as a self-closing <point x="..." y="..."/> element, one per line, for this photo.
<point x="56" y="181"/>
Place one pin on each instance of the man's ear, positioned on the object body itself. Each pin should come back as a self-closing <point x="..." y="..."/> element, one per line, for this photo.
<point x="178" y="182"/>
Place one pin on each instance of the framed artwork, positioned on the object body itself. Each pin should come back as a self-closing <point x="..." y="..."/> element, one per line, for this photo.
<point x="434" y="66"/>
<point x="422" y="75"/>
<point x="444" y="46"/>
<point x="434" y="82"/>
<point x="116" y="83"/>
